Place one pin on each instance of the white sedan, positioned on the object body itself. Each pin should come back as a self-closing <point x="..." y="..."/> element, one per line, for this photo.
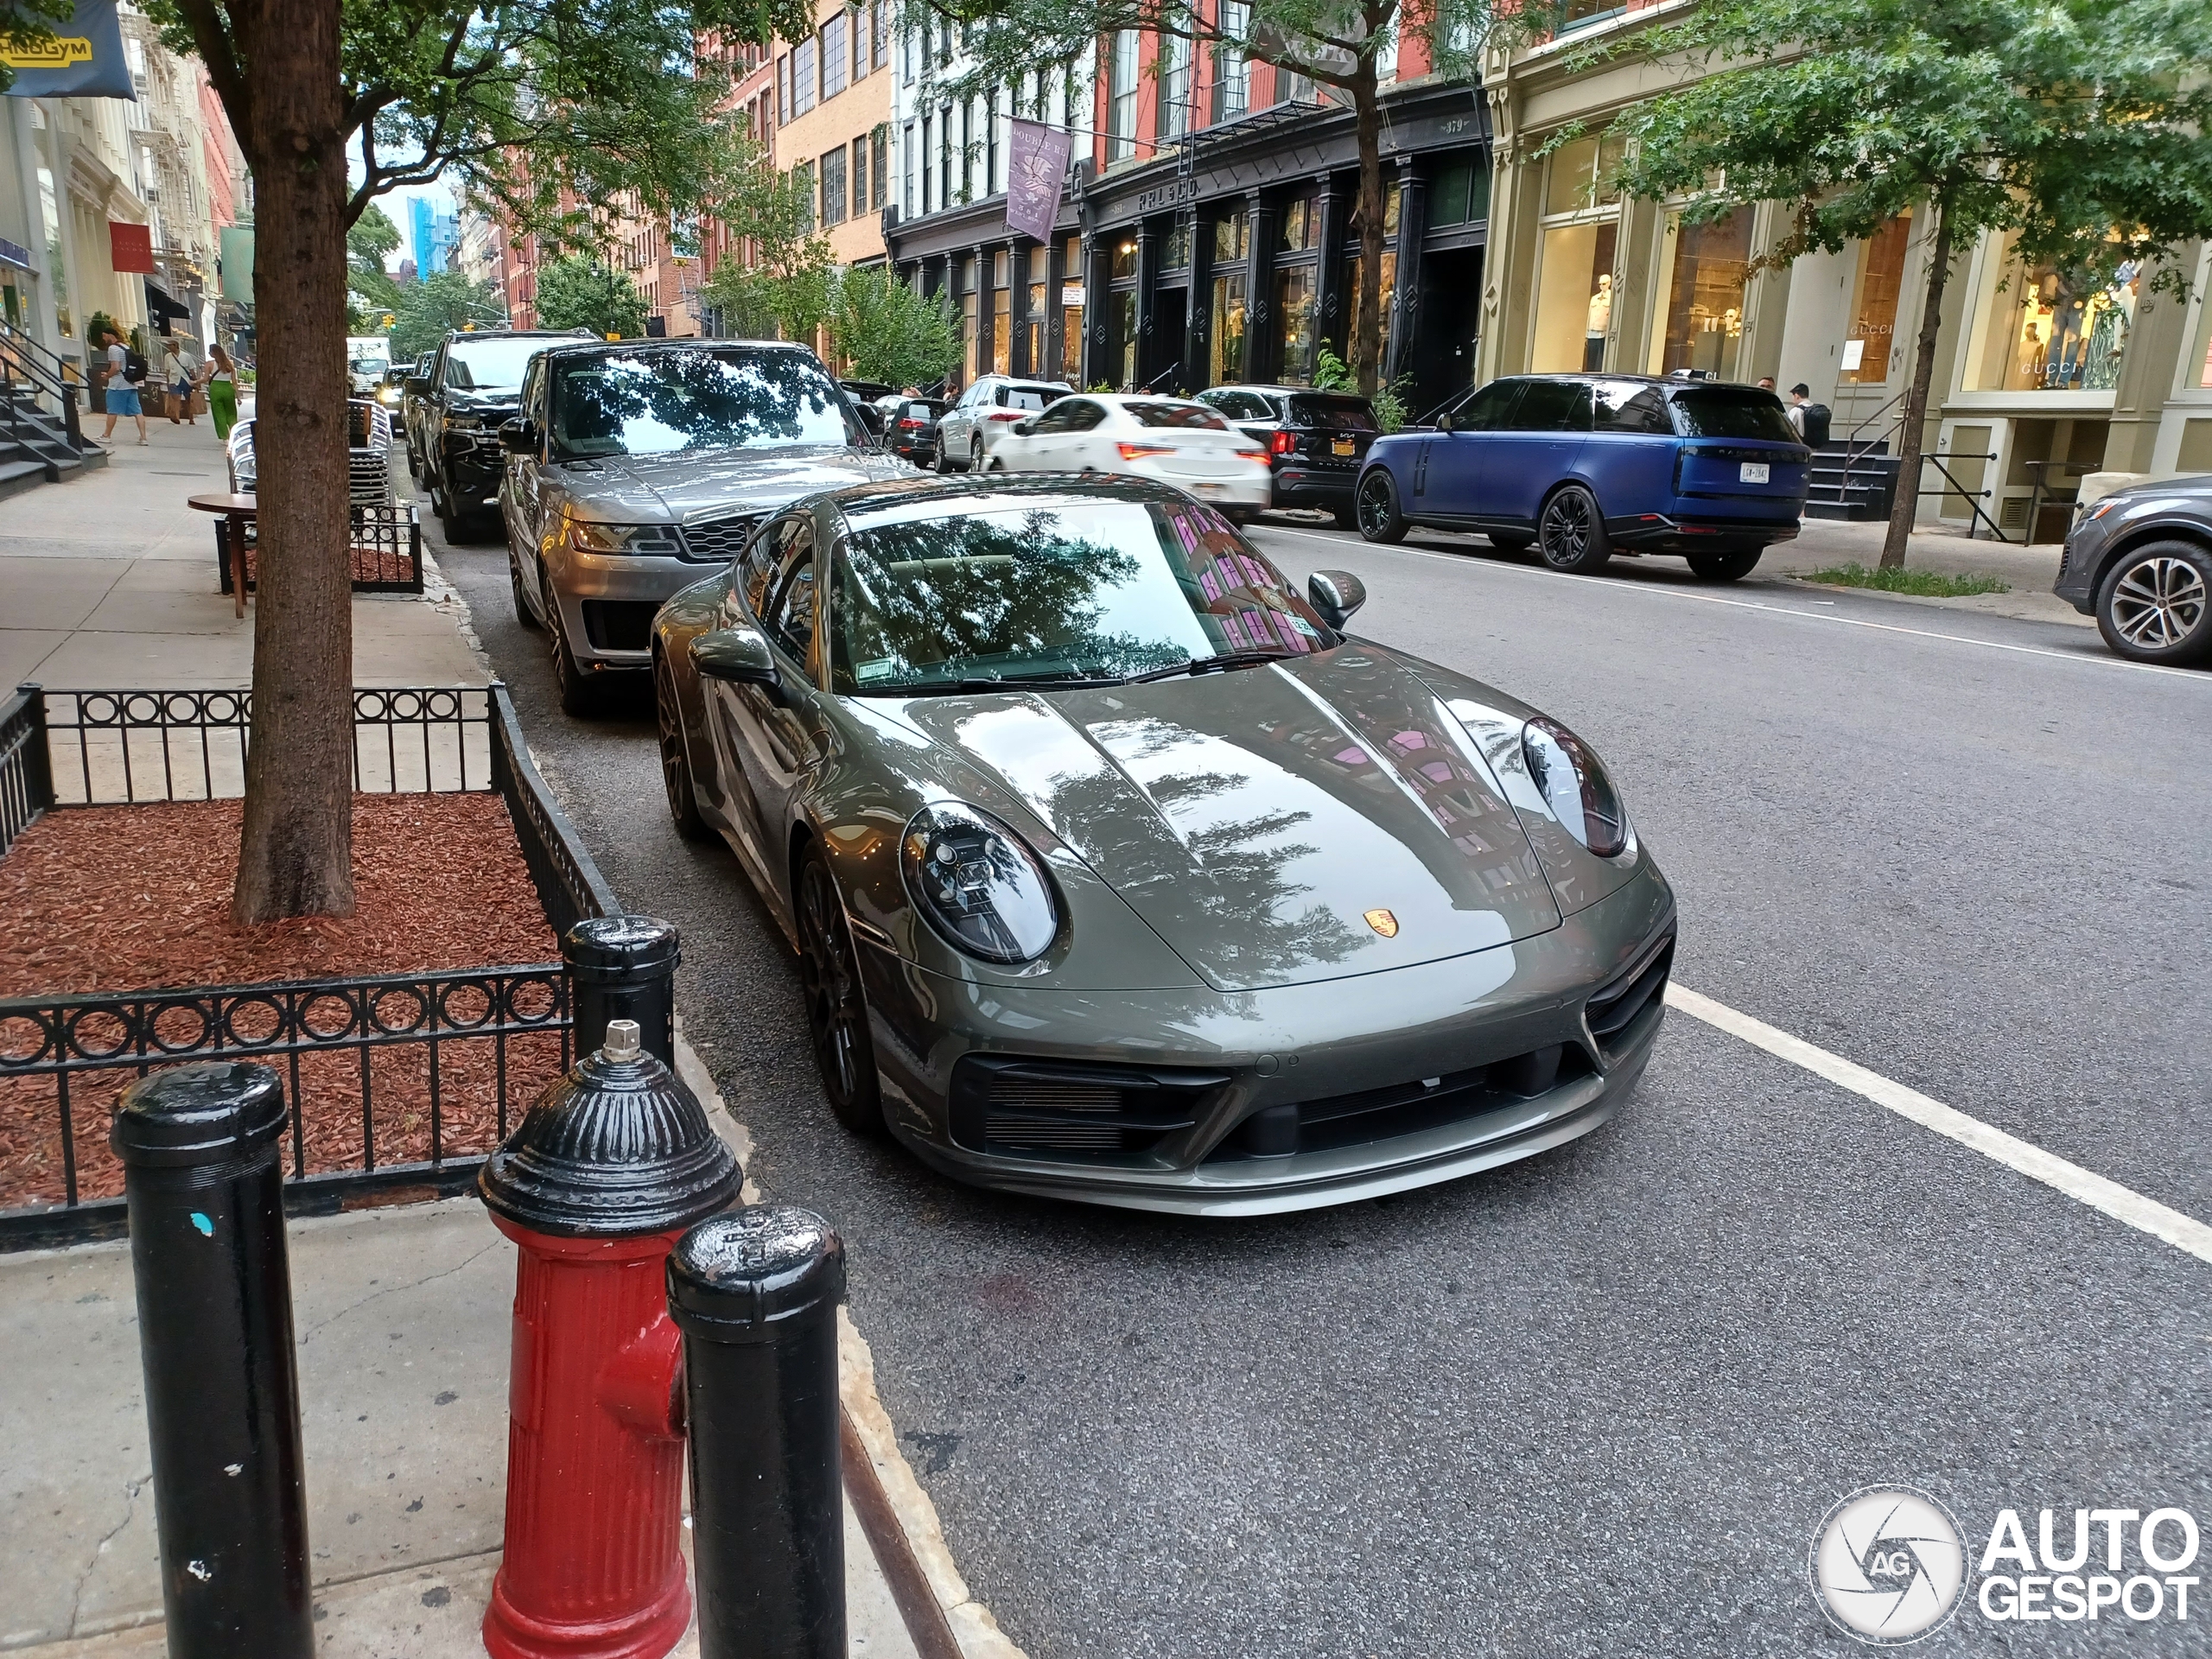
<point x="1169" y="439"/>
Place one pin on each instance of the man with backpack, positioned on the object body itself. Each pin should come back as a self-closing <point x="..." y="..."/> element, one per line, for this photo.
<point x="124" y="374"/>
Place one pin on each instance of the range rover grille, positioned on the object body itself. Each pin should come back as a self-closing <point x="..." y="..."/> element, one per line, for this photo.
<point x="717" y="541"/>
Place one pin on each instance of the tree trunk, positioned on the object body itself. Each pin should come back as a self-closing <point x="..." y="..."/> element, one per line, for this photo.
<point x="1907" y="504"/>
<point x="1367" y="337"/>
<point x="295" y="857"/>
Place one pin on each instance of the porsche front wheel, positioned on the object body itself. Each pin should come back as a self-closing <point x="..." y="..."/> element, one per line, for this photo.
<point x="837" y="1012"/>
<point x="674" y="759"/>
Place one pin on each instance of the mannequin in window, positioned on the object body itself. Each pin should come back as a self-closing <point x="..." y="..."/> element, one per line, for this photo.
<point x="1599" y="325"/>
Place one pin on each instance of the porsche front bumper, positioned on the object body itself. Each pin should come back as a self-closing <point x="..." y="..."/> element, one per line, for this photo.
<point x="1458" y="1032"/>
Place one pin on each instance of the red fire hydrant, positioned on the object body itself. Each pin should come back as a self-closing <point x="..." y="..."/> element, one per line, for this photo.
<point x="610" y="1166"/>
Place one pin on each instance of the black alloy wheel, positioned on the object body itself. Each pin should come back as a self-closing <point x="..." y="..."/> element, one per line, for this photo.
<point x="837" y="1012"/>
<point x="1570" y="533"/>
<point x="1380" y="520"/>
<point x="580" y="691"/>
<point x="1725" y="567"/>
<point x="674" y="759"/>
<point x="2155" y="604"/>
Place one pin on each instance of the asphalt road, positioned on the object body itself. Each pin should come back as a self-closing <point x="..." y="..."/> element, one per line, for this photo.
<point x="1597" y="1402"/>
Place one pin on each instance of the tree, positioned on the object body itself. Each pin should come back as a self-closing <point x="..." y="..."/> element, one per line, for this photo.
<point x="787" y="286"/>
<point x="578" y="291"/>
<point x="371" y="293"/>
<point x="548" y="110"/>
<point x="889" y="333"/>
<point x="2077" y="127"/>
<point x="1335" y="43"/>
<point x="426" y="311"/>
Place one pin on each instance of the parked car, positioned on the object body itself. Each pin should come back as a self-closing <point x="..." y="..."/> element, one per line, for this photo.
<point x="864" y="396"/>
<point x="633" y="469"/>
<point x="391" y="390"/>
<point x="412" y="404"/>
<point x="470" y="390"/>
<point x="1117" y="872"/>
<point x="909" y="428"/>
<point x="1584" y="465"/>
<point x="1172" y="440"/>
<point x="966" y="432"/>
<point x="2139" y="561"/>
<point x="1315" y="441"/>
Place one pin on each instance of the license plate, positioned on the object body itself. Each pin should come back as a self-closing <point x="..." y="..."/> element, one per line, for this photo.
<point x="1340" y="446"/>
<point x="1753" y="471"/>
<point x="1209" y="489"/>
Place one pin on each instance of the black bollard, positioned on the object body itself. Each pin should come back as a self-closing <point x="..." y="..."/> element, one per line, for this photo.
<point x="755" y="1293"/>
<point x="624" y="968"/>
<point x="205" y="1187"/>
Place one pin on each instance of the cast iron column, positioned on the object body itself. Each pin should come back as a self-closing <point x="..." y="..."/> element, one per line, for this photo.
<point x="1259" y="352"/>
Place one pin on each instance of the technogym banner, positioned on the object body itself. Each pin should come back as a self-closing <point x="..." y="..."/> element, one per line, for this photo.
<point x="84" y="59"/>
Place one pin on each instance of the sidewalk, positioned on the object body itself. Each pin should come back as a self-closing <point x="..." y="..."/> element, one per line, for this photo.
<point x="109" y="580"/>
<point x="1823" y="544"/>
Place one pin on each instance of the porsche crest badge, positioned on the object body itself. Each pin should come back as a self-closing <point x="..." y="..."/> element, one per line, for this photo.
<point x="1383" y="923"/>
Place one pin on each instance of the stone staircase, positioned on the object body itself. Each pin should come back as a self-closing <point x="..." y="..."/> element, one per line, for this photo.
<point x="1857" y="482"/>
<point x="41" y="441"/>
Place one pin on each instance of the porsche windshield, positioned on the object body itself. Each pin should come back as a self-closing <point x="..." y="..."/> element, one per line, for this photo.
<point x="1035" y="593"/>
<point x="656" y="403"/>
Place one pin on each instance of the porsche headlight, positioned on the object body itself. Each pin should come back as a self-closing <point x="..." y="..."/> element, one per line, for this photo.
<point x="979" y="884"/>
<point x="1576" y="786"/>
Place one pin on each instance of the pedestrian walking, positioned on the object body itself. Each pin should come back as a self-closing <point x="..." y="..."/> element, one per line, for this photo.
<point x="176" y="380"/>
<point x="124" y="374"/>
<point x="222" y="392"/>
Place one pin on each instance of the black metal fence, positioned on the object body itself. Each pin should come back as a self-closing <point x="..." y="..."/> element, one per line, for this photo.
<point x="386" y="551"/>
<point x="380" y="1066"/>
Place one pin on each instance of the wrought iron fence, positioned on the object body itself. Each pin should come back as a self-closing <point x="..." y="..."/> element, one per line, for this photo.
<point x="386" y="551"/>
<point x="397" y="1082"/>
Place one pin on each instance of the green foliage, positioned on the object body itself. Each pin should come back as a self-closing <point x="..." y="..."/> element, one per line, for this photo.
<point x="885" y="331"/>
<point x="370" y="292"/>
<point x="1332" y="374"/>
<point x="99" y="321"/>
<point x="1922" y="584"/>
<point x="788" y="289"/>
<point x="445" y="299"/>
<point x="577" y="291"/>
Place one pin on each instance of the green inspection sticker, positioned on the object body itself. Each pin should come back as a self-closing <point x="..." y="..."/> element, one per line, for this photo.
<point x="875" y="670"/>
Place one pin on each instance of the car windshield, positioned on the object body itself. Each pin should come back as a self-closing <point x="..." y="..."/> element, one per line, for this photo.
<point x="493" y="364"/>
<point x="1732" y="412"/>
<point x="1096" y="589"/>
<point x="1194" y="414"/>
<point x="658" y="402"/>
<point x="1334" y="414"/>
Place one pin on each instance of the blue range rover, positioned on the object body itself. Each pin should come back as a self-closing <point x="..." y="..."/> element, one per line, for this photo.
<point x="1586" y="466"/>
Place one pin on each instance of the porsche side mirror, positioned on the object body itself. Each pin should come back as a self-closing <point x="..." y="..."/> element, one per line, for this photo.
<point x="1025" y="425"/>
<point x="1444" y="423"/>
<point x="518" y="436"/>
<point x="418" y="385"/>
<point x="1336" y="594"/>
<point x="738" y="655"/>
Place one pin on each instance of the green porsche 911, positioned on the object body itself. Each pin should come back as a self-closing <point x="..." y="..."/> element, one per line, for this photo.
<point x="1118" y="871"/>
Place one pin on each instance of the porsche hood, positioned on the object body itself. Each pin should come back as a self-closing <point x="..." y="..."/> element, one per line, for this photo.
<point x="1303" y="821"/>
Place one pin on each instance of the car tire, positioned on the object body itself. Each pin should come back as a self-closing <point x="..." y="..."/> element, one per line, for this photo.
<point x="1380" y="519"/>
<point x="941" y="462"/>
<point x="580" y="691"/>
<point x="2155" y="604"/>
<point x="675" y="758"/>
<point x="836" y="1007"/>
<point x="1725" y="567"/>
<point x="523" y="614"/>
<point x="1347" y="517"/>
<point x="975" y="456"/>
<point x="414" y="465"/>
<point x="1571" y="533"/>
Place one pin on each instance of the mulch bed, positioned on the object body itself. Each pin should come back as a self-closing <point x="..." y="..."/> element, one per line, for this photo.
<point x="138" y="897"/>
<point x="379" y="564"/>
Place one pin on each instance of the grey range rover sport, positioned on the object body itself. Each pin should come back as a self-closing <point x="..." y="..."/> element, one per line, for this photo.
<point x="631" y="471"/>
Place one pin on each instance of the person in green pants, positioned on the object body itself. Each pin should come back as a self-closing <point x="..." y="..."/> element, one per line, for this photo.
<point x="222" y="392"/>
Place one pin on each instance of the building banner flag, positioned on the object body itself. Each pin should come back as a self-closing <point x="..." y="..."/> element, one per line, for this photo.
<point x="237" y="263"/>
<point x="84" y="59"/>
<point x="131" y="247"/>
<point x="1036" y="164"/>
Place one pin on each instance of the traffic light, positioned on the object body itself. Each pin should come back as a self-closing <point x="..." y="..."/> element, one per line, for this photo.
<point x="388" y="319"/>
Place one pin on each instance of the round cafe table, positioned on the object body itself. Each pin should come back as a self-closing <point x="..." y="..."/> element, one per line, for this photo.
<point x="237" y="512"/>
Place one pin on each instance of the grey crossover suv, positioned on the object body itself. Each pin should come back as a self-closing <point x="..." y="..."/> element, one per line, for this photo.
<point x="2140" y="562"/>
<point x="631" y="471"/>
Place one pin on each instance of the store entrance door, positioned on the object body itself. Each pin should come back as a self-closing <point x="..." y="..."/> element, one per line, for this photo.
<point x="1164" y="368"/>
<point x="1443" y="358"/>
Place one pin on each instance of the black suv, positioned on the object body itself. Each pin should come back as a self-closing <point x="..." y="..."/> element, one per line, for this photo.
<point x="475" y="383"/>
<point x="1315" y="441"/>
<point x="2140" y="562"/>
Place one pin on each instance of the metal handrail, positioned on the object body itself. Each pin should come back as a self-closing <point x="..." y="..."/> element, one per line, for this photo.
<point x="22" y="352"/>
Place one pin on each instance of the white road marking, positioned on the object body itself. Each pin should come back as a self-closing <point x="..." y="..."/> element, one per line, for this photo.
<point x="2183" y="1232"/>
<point x="1612" y="586"/>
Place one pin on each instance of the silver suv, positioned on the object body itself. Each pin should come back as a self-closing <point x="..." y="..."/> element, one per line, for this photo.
<point x="632" y="470"/>
<point x="966" y="432"/>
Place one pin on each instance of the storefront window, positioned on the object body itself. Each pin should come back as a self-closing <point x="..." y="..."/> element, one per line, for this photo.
<point x="1071" y="311"/>
<point x="1002" y="332"/>
<point x="1459" y="195"/>
<point x="1708" y="267"/>
<point x="1125" y="257"/>
<point x="1033" y="329"/>
<point x="1874" y="307"/>
<point x="1175" y="248"/>
<point x="1574" y="298"/>
<point x="2198" y="369"/>
<point x="1575" y="183"/>
<point x="967" y="323"/>
<point x="1226" y="362"/>
<point x="1123" y="346"/>
<point x="1232" y="239"/>
<point x="1301" y="226"/>
<point x="1294" y="305"/>
<point x="1389" y="287"/>
<point x="2040" y="329"/>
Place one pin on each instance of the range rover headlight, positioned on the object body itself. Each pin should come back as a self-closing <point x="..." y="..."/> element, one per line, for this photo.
<point x="642" y="541"/>
<point x="1576" y="786"/>
<point x="979" y="884"/>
